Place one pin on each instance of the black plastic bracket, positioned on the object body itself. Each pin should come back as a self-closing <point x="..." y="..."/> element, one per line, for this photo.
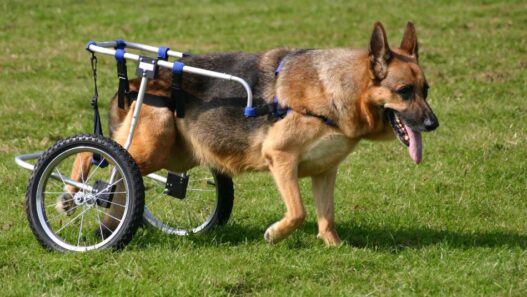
<point x="104" y="193"/>
<point x="176" y="185"/>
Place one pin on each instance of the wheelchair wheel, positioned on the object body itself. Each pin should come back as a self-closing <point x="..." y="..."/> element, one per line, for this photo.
<point x="208" y="202"/>
<point x="99" y="209"/>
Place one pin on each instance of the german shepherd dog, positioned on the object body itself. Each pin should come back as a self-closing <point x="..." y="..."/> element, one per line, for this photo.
<point x="335" y="97"/>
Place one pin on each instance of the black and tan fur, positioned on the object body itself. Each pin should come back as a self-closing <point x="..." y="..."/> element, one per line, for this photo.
<point x="352" y="87"/>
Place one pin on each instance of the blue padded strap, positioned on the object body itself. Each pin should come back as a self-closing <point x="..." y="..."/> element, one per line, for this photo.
<point x="279" y="112"/>
<point x="178" y="68"/>
<point x="120" y="44"/>
<point x="162" y="53"/>
<point x="119" y="55"/>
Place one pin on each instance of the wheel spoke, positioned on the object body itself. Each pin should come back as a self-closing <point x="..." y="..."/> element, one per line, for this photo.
<point x="201" y="179"/>
<point x="171" y="206"/>
<point x="119" y="220"/>
<point x="72" y="220"/>
<point x="111" y="202"/>
<point x="200" y="190"/>
<point x="61" y="178"/>
<point x="80" y="229"/>
<point x="94" y="170"/>
<point x="188" y="215"/>
<point x="113" y="184"/>
<point x="62" y="214"/>
<point x="100" y="224"/>
<point x="58" y="193"/>
<point x="55" y="203"/>
<point x="152" y="199"/>
<point x="200" y="206"/>
<point x="97" y="195"/>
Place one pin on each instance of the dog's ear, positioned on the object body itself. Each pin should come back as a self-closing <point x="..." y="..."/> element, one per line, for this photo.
<point x="380" y="53"/>
<point x="409" y="42"/>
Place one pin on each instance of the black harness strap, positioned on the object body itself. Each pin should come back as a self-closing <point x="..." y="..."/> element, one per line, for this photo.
<point x="97" y="127"/>
<point x="97" y="159"/>
<point x="324" y="119"/>
<point x="123" y="83"/>
<point x="177" y="94"/>
<point x="154" y="100"/>
<point x="122" y="73"/>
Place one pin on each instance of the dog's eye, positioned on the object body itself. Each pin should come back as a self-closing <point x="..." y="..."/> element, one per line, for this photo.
<point x="406" y="92"/>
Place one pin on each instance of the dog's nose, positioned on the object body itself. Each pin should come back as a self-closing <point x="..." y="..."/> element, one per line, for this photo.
<point x="431" y="123"/>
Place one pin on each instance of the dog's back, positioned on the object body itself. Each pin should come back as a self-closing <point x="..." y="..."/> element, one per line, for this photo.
<point x="214" y="123"/>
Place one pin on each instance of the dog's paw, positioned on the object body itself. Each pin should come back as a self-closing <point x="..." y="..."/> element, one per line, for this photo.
<point x="65" y="204"/>
<point x="330" y="239"/>
<point x="271" y="235"/>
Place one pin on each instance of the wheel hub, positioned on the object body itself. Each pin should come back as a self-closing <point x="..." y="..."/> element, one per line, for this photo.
<point x="81" y="198"/>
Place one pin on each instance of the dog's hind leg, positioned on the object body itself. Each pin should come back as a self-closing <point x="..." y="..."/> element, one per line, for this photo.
<point x="151" y="145"/>
<point x="153" y="137"/>
<point x="323" y="188"/>
<point x="284" y="168"/>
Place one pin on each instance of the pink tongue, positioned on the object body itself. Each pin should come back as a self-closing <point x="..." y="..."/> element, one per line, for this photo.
<point x="416" y="145"/>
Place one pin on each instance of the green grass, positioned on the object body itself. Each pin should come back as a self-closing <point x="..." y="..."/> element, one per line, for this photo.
<point x="453" y="226"/>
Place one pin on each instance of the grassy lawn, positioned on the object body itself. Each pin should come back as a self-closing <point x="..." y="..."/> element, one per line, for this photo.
<point x="452" y="226"/>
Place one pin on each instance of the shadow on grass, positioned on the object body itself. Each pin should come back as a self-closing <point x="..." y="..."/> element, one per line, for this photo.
<point x="229" y="234"/>
<point x="415" y="238"/>
<point x="364" y="236"/>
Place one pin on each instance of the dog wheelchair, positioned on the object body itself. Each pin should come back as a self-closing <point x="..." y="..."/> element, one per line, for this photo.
<point x="103" y="207"/>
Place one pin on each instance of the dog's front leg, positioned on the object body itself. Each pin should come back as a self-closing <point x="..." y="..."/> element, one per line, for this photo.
<point x="323" y="186"/>
<point x="284" y="168"/>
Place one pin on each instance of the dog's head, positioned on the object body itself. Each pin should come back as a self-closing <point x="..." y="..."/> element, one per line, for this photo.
<point x="401" y="88"/>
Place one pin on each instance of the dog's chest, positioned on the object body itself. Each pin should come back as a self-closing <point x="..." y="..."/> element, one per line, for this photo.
<point x="325" y="153"/>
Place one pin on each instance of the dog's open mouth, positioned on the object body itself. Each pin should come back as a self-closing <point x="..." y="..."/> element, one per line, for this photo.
<point x="407" y="136"/>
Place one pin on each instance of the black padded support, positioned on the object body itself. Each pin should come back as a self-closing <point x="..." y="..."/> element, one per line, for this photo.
<point x="178" y="95"/>
<point x="154" y="100"/>
<point x="122" y="74"/>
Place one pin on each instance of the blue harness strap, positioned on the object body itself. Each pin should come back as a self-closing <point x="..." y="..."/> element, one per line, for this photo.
<point x="281" y="112"/>
<point x="279" y="68"/>
<point x="278" y="111"/>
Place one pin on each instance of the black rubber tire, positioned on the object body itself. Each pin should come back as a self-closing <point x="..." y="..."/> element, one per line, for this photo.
<point x="225" y="193"/>
<point x="131" y="176"/>
<point x="222" y="212"/>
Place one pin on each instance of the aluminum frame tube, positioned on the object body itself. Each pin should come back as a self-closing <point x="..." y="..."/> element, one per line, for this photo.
<point x="98" y="48"/>
<point x="137" y="110"/>
<point x="21" y="161"/>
